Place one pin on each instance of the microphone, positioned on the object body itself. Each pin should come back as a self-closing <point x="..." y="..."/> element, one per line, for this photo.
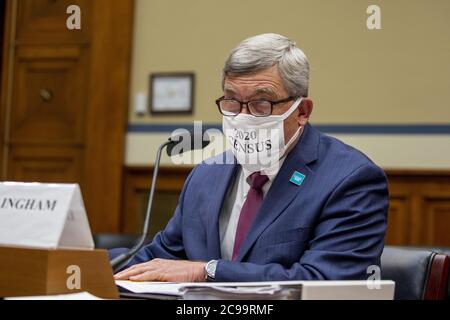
<point x="181" y="141"/>
<point x="185" y="140"/>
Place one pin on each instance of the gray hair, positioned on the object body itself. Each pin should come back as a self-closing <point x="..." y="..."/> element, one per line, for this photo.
<point x="267" y="50"/>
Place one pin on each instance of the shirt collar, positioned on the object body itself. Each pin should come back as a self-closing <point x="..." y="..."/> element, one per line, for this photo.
<point x="270" y="172"/>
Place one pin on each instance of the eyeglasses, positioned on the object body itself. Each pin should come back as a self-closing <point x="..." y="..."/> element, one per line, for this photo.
<point x="257" y="108"/>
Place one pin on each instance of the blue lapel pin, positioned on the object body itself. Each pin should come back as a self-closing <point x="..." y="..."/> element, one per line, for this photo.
<point x="297" y="178"/>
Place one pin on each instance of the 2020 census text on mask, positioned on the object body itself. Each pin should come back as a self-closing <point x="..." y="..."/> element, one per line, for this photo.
<point x="258" y="142"/>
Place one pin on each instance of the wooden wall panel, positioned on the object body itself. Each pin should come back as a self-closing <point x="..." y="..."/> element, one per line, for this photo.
<point x="49" y="95"/>
<point x="419" y="212"/>
<point x="55" y="165"/>
<point x="43" y="21"/>
<point x="136" y="187"/>
<point x="436" y="221"/>
<point x="426" y="203"/>
<point x="397" y="233"/>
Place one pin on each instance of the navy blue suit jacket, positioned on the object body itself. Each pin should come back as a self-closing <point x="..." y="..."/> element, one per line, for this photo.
<point x="332" y="226"/>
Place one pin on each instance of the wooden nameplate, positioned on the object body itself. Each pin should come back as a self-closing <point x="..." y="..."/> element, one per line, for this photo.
<point x="32" y="272"/>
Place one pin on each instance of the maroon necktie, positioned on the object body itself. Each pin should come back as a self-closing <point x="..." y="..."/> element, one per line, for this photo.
<point x="249" y="209"/>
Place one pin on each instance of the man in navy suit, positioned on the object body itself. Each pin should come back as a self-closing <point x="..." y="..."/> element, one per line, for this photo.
<point x="286" y="202"/>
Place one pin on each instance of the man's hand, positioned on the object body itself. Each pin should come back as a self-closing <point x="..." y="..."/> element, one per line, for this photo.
<point x="164" y="270"/>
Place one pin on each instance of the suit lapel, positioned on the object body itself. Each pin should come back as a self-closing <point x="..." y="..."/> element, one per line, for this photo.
<point x="282" y="192"/>
<point x="219" y="188"/>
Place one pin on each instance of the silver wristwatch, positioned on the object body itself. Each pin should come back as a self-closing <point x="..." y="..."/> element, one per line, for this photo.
<point x="210" y="270"/>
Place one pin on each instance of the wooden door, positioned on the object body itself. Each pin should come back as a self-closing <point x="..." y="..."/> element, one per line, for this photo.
<point x="65" y="97"/>
<point x="3" y="77"/>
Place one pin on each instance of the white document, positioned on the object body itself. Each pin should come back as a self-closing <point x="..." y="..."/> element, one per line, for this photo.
<point x="70" y="296"/>
<point x="347" y="290"/>
<point x="47" y="216"/>
<point x="176" y="289"/>
<point x="165" y="288"/>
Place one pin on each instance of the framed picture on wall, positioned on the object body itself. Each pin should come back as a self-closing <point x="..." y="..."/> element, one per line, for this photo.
<point x="171" y="93"/>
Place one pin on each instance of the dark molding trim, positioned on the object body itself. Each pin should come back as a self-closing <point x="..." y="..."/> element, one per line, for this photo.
<point x="370" y="129"/>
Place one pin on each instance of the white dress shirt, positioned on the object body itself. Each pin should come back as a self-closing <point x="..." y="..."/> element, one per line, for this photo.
<point x="234" y="200"/>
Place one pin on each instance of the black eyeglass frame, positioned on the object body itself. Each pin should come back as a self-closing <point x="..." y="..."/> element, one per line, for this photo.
<point x="242" y="103"/>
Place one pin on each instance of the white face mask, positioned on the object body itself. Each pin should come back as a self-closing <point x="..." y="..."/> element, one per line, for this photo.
<point x="258" y="142"/>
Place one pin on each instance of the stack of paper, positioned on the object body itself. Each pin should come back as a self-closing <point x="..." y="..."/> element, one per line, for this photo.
<point x="211" y="291"/>
<point x="268" y="292"/>
<point x="279" y="290"/>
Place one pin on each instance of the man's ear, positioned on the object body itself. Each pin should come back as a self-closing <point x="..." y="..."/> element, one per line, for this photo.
<point x="305" y="110"/>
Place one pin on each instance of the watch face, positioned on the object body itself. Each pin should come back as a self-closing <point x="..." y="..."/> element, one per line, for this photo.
<point x="210" y="269"/>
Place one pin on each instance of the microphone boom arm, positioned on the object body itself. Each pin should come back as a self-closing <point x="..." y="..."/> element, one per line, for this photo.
<point x="118" y="262"/>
